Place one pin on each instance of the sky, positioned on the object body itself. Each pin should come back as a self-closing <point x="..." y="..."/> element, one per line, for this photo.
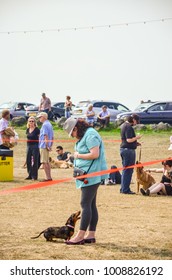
<point x="127" y="62"/>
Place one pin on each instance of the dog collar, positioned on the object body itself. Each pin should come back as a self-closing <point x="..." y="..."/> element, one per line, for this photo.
<point x="70" y="226"/>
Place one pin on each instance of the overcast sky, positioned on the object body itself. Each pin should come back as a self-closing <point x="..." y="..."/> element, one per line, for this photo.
<point x="125" y="63"/>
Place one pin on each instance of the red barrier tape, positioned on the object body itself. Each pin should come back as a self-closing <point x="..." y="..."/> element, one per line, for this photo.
<point x="94" y="174"/>
<point x="35" y="186"/>
<point x="62" y="140"/>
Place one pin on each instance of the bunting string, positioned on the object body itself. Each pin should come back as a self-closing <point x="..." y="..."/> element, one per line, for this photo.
<point x="93" y="27"/>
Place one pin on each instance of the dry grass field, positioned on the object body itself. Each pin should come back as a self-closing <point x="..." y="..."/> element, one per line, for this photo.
<point x="130" y="227"/>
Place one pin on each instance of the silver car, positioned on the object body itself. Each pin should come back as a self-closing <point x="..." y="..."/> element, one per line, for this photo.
<point x="17" y="109"/>
<point x="114" y="108"/>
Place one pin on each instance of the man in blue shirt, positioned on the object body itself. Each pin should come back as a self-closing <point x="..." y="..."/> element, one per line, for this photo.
<point x="45" y="143"/>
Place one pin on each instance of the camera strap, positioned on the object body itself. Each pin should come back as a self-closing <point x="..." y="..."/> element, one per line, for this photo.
<point x="90" y="166"/>
<point x="92" y="161"/>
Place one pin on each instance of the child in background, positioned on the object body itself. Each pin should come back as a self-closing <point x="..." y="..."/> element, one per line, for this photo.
<point x="114" y="177"/>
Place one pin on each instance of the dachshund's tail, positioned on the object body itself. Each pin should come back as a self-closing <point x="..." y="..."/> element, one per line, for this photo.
<point x="38" y="235"/>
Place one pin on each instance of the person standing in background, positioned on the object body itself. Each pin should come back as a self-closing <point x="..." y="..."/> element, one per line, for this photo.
<point x="33" y="155"/>
<point x="45" y="143"/>
<point x="68" y="107"/>
<point x="127" y="151"/>
<point x="45" y="104"/>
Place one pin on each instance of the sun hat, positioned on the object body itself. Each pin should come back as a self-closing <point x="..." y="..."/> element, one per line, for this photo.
<point x="42" y="114"/>
<point x="69" y="125"/>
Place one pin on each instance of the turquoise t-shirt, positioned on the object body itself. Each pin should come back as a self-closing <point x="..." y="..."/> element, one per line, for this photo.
<point x="91" y="139"/>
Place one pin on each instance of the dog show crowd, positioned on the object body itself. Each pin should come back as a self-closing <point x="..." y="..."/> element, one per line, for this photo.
<point x="88" y="157"/>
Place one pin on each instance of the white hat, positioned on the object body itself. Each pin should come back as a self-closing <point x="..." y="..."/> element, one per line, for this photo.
<point x="42" y="114"/>
<point x="69" y="125"/>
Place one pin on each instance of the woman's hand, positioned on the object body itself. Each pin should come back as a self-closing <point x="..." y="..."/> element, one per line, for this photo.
<point x="75" y="154"/>
<point x="93" y="154"/>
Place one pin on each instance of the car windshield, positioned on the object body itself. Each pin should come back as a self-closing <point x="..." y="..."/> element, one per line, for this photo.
<point x="83" y="104"/>
<point x="7" y="105"/>
<point x="142" y="106"/>
<point x="122" y="108"/>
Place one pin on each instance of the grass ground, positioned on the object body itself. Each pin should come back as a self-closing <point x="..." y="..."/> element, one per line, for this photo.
<point x="130" y="227"/>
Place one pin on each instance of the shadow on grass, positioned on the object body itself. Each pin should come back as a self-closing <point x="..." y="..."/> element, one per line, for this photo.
<point x="163" y="253"/>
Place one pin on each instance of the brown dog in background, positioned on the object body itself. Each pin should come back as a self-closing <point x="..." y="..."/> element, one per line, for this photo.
<point x="59" y="163"/>
<point x="143" y="178"/>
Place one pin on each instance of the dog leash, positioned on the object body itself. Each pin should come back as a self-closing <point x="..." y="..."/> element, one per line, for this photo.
<point x="140" y="153"/>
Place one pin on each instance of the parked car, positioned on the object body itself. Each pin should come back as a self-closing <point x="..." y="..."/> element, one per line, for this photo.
<point x="113" y="107"/>
<point x="155" y="113"/>
<point x="17" y="109"/>
<point x="57" y="110"/>
<point x="144" y="104"/>
<point x="31" y="111"/>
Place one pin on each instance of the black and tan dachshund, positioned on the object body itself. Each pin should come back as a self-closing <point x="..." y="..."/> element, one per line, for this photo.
<point x="64" y="232"/>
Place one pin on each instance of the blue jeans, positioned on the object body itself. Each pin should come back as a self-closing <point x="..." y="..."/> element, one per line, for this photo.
<point x="128" y="158"/>
<point x="67" y="114"/>
<point x="46" y="111"/>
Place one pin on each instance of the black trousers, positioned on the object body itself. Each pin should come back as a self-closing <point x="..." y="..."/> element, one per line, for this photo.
<point x="33" y="161"/>
<point x="89" y="217"/>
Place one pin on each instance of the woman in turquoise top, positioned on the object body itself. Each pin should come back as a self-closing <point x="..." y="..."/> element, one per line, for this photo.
<point x="89" y="156"/>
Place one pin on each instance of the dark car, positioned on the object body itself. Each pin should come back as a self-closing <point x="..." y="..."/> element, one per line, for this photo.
<point x="17" y="109"/>
<point x="144" y="104"/>
<point x="155" y="113"/>
<point x="57" y="111"/>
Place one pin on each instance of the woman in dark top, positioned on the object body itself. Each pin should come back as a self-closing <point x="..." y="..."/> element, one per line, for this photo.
<point x="33" y="155"/>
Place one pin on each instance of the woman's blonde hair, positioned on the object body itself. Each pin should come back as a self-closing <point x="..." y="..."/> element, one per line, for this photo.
<point x="31" y="118"/>
<point x="90" y="106"/>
